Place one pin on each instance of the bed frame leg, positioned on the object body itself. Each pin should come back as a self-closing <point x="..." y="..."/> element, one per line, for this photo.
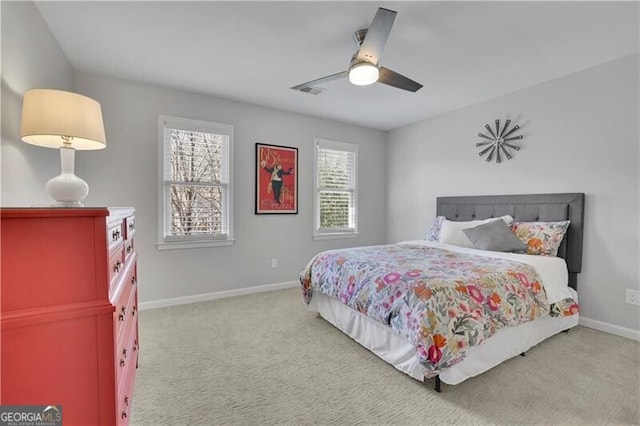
<point x="523" y="354"/>
<point x="566" y="331"/>
<point x="438" y="384"/>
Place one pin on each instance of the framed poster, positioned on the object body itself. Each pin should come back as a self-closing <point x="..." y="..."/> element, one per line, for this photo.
<point x="276" y="179"/>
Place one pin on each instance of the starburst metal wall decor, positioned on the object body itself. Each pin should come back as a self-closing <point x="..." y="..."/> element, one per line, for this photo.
<point x="499" y="141"/>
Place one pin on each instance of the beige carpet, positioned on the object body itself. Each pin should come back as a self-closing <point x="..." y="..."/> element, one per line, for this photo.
<point x="264" y="359"/>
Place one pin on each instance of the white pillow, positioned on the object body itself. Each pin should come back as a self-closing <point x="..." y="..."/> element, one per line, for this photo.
<point x="451" y="231"/>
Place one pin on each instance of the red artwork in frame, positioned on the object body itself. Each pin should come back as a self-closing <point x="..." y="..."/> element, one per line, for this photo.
<point x="276" y="179"/>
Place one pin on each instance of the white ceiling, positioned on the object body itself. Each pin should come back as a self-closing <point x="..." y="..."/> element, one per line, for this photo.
<point x="463" y="52"/>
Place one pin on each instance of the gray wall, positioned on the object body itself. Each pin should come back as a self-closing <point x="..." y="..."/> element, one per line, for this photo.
<point x="31" y="58"/>
<point x="125" y="173"/>
<point x="580" y="135"/>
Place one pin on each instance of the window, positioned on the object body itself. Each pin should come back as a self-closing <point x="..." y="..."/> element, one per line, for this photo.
<point x="196" y="189"/>
<point x="335" y="189"/>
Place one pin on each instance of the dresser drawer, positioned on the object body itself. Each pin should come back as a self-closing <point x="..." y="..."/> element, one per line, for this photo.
<point x="126" y="302"/>
<point x="115" y="233"/>
<point x="116" y="265"/>
<point x="125" y="395"/>
<point x="129" y="227"/>
<point x="129" y="249"/>
<point x="126" y="355"/>
<point x="125" y="379"/>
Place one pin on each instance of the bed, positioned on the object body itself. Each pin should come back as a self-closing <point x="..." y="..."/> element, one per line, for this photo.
<point x="428" y="318"/>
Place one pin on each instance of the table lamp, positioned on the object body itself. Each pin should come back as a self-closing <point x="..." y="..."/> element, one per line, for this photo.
<point x="68" y="121"/>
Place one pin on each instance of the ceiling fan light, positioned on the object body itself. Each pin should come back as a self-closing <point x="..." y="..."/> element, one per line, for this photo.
<point x="363" y="74"/>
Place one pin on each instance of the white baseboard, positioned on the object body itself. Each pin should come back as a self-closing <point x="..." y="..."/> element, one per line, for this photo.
<point x="629" y="333"/>
<point x="215" y="295"/>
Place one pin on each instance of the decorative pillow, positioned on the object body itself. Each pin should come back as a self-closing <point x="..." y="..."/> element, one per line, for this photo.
<point x="451" y="231"/>
<point x="434" y="232"/>
<point x="496" y="236"/>
<point x="542" y="238"/>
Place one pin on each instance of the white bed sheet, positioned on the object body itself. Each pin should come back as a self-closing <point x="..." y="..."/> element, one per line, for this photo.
<point x="504" y="344"/>
<point x="552" y="270"/>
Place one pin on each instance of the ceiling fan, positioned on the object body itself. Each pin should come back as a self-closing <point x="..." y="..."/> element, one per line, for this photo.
<point x="365" y="68"/>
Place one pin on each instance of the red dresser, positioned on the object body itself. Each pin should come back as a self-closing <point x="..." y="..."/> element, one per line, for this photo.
<point x="69" y="311"/>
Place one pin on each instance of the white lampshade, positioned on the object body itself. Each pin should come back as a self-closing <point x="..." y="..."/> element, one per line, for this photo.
<point x="54" y="118"/>
<point x="363" y="74"/>
<point x="68" y="121"/>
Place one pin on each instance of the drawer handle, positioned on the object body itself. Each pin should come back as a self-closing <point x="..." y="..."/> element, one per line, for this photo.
<point x="122" y="363"/>
<point x="122" y="313"/>
<point x="117" y="266"/>
<point x="133" y="280"/>
<point x="124" y="353"/>
<point x="126" y="401"/>
<point x="135" y="345"/>
<point x="124" y="415"/>
<point x="133" y="310"/>
<point x="115" y="235"/>
<point x="129" y="249"/>
<point x="131" y="226"/>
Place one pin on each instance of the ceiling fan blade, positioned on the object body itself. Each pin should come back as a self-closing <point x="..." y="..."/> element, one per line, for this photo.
<point x="377" y="35"/>
<point x="310" y="84"/>
<point x="394" y="79"/>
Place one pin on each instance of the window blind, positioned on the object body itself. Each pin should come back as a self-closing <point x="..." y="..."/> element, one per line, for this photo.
<point x="335" y="187"/>
<point x="196" y="180"/>
<point x="198" y="156"/>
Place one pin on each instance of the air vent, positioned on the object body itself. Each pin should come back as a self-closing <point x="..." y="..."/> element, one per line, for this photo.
<point x="311" y="90"/>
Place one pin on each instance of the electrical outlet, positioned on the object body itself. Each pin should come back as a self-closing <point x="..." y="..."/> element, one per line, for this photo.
<point x="632" y="297"/>
<point x="274" y="263"/>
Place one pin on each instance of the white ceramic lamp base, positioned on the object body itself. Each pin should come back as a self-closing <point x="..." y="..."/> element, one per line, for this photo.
<point x="67" y="189"/>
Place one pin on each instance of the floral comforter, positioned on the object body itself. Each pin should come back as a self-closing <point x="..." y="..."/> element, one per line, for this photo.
<point x="442" y="301"/>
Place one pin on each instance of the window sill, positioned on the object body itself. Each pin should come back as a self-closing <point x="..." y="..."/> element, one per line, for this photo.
<point x="174" y="245"/>
<point x="335" y="235"/>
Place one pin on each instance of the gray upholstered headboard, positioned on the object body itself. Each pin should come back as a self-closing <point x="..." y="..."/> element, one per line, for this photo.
<point x="527" y="208"/>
